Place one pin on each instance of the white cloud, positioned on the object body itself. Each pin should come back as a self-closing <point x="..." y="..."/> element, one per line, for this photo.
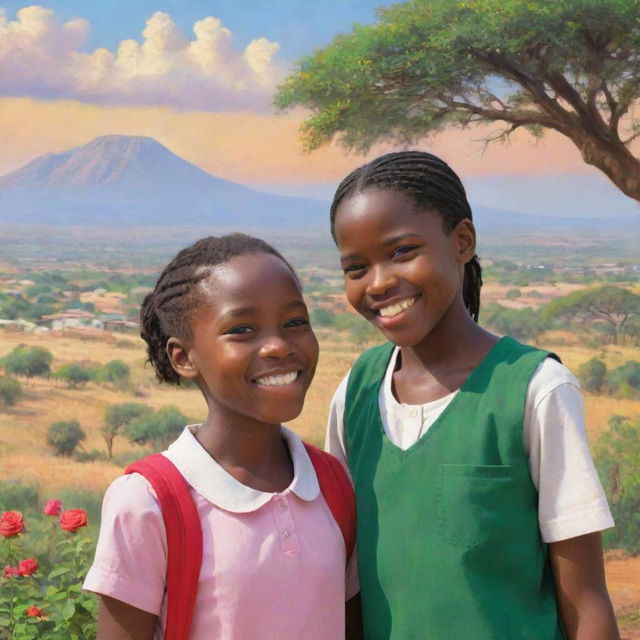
<point x="41" y="57"/>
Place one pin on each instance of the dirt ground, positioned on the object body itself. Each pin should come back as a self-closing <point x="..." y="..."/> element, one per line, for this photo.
<point x="623" y="581"/>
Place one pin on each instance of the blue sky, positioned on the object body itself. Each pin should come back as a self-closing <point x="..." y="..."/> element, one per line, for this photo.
<point x="297" y="25"/>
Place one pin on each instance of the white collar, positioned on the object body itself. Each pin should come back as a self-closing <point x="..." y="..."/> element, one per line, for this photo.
<point x="212" y="482"/>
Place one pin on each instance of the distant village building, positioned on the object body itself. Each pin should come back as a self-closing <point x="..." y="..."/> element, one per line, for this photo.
<point x="70" y="319"/>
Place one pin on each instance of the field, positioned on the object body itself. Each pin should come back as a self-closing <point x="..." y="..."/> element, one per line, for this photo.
<point x="25" y="456"/>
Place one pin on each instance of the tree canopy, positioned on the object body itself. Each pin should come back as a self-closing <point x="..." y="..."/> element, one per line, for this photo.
<point x="608" y="304"/>
<point x="159" y="428"/>
<point x="118" y="416"/>
<point x="65" y="436"/>
<point x="425" y="65"/>
<point x="28" y="361"/>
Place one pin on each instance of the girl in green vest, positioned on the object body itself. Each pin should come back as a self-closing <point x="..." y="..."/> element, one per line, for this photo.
<point x="479" y="508"/>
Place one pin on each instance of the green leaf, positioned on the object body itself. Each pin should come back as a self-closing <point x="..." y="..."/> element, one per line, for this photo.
<point x="68" y="610"/>
<point x="59" y="571"/>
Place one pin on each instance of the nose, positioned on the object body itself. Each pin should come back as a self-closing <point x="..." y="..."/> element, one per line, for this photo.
<point x="381" y="278"/>
<point x="276" y="346"/>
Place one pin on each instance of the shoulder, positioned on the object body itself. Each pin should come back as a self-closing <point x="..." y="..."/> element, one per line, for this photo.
<point x="550" y="377"/>
<point x="370" y="366"/>
<point x="339" y="395"/>
<point x="131" y="495"/>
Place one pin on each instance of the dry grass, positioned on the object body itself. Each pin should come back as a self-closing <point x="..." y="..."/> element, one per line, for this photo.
<point x="24" y="455"/>
<point x="23" y="428"/>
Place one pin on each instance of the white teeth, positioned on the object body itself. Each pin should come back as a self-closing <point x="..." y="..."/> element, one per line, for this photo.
<point x="278" y="381"/>
<point x="395" y="309"/>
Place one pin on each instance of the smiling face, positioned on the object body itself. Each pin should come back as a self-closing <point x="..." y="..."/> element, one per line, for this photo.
<point x="252" y="351"/>
<point x="402" y="271"/>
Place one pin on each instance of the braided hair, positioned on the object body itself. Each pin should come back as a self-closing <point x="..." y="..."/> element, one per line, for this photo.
<point x="166" y="311"/>
<point x="433" y="185"/>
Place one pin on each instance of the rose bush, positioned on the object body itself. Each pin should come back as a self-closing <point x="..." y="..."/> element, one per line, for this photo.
<point x="40" y="595"/>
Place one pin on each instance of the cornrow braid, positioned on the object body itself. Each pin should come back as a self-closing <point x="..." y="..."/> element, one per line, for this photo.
<point x="167" y="311"/>
<point x="433" y="185"/>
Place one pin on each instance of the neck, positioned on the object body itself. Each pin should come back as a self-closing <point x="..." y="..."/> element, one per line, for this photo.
<point x="457" y="337"/>
<point x="253" y="452"/>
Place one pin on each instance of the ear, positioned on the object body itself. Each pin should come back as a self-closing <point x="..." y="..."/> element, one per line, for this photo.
<point x="464" y="238"/>
<point x="179" y="356"/>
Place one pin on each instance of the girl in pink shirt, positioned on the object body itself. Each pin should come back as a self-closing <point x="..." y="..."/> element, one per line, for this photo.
<point x="228" y="314"/>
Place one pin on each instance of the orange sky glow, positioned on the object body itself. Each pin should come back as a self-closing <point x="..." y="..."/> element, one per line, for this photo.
<point x="251" y="148"/>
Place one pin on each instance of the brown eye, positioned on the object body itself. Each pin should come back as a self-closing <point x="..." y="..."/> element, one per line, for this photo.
<point x="241" y="329"/>
<point x="401" y="251"/>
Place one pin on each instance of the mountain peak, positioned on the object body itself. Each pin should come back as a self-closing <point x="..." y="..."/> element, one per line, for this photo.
<point x="138" y="161"/>
<point x="137" y="180"/>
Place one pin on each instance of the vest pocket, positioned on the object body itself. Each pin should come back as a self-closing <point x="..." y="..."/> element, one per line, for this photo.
<point x="481" y="504"/>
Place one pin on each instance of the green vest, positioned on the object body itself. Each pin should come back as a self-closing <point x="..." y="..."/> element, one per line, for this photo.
<point x="449" y="545"/>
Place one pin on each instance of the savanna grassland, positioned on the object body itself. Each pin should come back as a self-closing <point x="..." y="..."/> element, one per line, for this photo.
<point x="26" y="458"/>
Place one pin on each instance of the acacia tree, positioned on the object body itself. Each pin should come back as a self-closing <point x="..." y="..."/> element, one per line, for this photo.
<point x="119" y="416"/>
<point x="571" y="66"/>
<point x="612" y="305"/>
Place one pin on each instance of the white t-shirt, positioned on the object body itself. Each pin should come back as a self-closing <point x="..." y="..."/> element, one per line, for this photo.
<point x="571" y="501"/>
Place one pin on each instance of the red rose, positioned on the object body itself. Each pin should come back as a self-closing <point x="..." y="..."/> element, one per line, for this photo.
<point x="34" y="612"/>
<point x="73" y="519"/>
<point x="52" y="508"/>
<point x="10" y="572"/>
<point x="28" y="567"/>
<point x="11" y="524"/>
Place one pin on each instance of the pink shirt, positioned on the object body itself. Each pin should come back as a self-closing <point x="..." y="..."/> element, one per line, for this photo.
<point x="273" y="564"/>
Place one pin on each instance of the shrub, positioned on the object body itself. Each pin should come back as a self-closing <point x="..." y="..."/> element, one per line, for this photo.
<point x="89" y="456"/>
<point x="159" y="428"/>
<point x="64" y="437"/>
<point x="44" y="566"/>
<point x="625" y="380"/>
<point x="28" y="361"/>
<point x="513" y="294"/>
<point x="592" y="375"/>
<point x="75" y="375"/>
<point x="18" y="495"/>
<point x="114" y="372"/>
<point x="10" y="391"/>
<point x="322" y="317"/>
<point x="617" y="456"/>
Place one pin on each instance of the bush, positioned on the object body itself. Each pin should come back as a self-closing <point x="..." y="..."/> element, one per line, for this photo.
<point x="75" y="375"/>
<point x="10" y="391"/>
<point x="322" y="317"/>
<point x="89" y="456"/>
<point x="64" y="437"/>
<point x="28" y="361"/>
<point x="44" y="566"/>
<point x="617" y="456"/>
<point x="114" y="372"/>
<point x="16" y="495"/>
<point x="521" y="324"/>
<point x="159" y="429"/>
<point x="592" y="375"/>
<point x="625" y="380"/>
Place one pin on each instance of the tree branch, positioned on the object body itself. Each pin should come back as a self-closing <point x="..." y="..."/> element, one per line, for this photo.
<point x="614" y="117"/>
<point x="515" y="117"/>
<point x="562" y="119"/>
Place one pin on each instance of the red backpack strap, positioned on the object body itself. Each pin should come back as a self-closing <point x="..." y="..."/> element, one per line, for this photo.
<point x="338" y="493"/>
<point x="184" y="540"/>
